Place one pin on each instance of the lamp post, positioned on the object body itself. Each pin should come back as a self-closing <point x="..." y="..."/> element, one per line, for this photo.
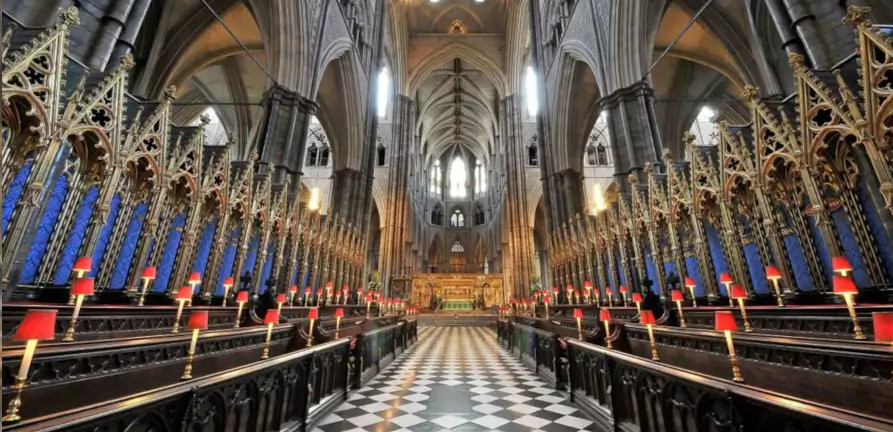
<point x="578" y="315"/>
<point x="183" y="295"/>
<point x="79" y="288"/>
<point x="149" y="274"/>
<point x="292" y="292"/>
<point x="570" y="294"/>
<point x="368" y="304"/>
<point x="774" y="275"/>
<point x="280" y="299"/>
<point x="647" y="317"/>
<point x="690" y="284"/>
<point x="195" y="278"/>
<point x="677" y="297"/>
<point x="546" y="300"/>
<point x="307" y="292"/>
<point x="241" y="299"/>
<point x="738" y="293"/>
<point x="313" y="315"/>
<point x="844" y="286"/>
<point x="555" y="294"/>
<point x="725" y="322"/>
<point x="637" y="299"/>
<point x="624" y="291"/>
<point x="360" y="295"/>
<point x="330" y="288"/>
<point x="339" y="313"/>
<point x="609" y="296"/>
<point x="726" y="279"/>
<point x="344" y="290"/>
<point x="82" y="266"/>
<point x="198" y="320"/>
<point x="227" y="285"/>
<point x="605" y="317"/>
<point x="270" y="319"/>
<point x="38" y="325"/>
<point x="841" y="265"/>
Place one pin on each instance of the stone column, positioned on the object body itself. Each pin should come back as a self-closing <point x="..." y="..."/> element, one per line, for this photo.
<point x="392" y="256"/>
<point x="635" y="138"/>
<point x="520" y="229"/>
<point x="282" y="137"/>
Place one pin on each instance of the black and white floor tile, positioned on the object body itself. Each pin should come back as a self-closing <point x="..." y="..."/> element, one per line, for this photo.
<point x="457" y="379"/>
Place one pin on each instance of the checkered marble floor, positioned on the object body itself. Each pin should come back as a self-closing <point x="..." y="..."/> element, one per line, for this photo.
<point x="459" y="379"/>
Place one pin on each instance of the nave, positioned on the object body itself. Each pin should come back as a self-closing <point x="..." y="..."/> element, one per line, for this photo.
<point x="460" y="379"/>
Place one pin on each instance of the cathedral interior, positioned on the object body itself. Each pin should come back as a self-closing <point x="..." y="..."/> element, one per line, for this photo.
<point x="425" y="215"/>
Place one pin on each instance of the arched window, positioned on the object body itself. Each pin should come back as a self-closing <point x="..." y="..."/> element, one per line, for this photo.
<point x="312" y="155"/>
<point x="480" y="178"/>
<point x="437" y="215"/>
<point x="602" y="155"/>
<point x="458" y="178"/>
<point x="590" y="156"/>
<point x="530" y="92"/>
<point x="599" y="142"/>
<point x="383" y="92"/>
<point x="457" y="220"/>
<point x="380" y="155"/>
<point x="704" y="127"/>
<point x="435" y="178"/>
<point x="479" y="218"/>
<point x="324" y="157"/>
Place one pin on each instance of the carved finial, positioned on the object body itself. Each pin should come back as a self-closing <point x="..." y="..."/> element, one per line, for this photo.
<point x="796" y="60"/>
<point x="632" y="179"/>
<point x="127" y="61"/>
<point x="7" y="35"/>
<point x="648" y="167"/>
<point x="749" y="93"/>
<point x="689" y="138"/>
<point x="69" y="16"/>
<point x="170" y="93"/>
<point x="856" y="15"/>
<point x="253" y="156"/>
<point x="665" y="155"/>
<point x="205" y="119"/>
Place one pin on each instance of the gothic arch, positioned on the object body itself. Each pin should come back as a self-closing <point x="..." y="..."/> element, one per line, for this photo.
<point x="342" y="101"/>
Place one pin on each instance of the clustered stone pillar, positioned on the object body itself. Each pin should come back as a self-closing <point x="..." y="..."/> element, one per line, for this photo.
<point x="632" y="123"/>
<point x="394" y="254"/>
<point x="520" y="229"/>
<point x="283" y="136"/>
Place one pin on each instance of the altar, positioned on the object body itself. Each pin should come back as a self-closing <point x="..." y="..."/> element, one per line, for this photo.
<point x="457" y="291"/>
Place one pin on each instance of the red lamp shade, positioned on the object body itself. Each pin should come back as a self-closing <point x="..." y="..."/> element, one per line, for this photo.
<point x="339" y="313"/>
<point x="738" y="292"/>
<point x="555" y="289"/>
<point x="844" y="285"/>
<point x="676" y="295"/>
<point x="587" y="285"/>
<point x="647" y="317"/>
<point x="690" y="282"/>
<point x="280" y="298"/>
<point x="724" y="320"/>
<point x="184" y="293"/>
<point x="725" y="278"/>
<point x="345" y="287"/>
<point x="84" y="264"/>
<point x="570" y="288"/>
<point x="883" y="326"/>
<point x="547" y="299"/>
<point x="195" y="278"/>
<point x="293" y="289"/>
<point x="272" y="317"/>
<point x="308" y="290"/>
<point x="150" y="272"/>
<point x="242" y="297"/>
<point x="604" y="315"/>
<point x="772" y="273"/>
<point x="624" y="289"/>
<point x="198" y="320"/>
<point x="319" y="292"/>
<point x="228" y="282"/>
<point x="637" y="298"/>
<point x="609" y="291"/>
<point x="840" y="264"/>
<point x="368" y="297"/>
<point x="313" y="314"/>
<point x="360" y="290"/>
<point x="39" y="324"/>
<point x="82" y="286"/>
<point x="330" y="285"/>
<point x="578" y="313"/>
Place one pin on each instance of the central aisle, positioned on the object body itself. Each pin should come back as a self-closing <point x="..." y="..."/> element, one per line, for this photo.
<point x="455" y="378"/>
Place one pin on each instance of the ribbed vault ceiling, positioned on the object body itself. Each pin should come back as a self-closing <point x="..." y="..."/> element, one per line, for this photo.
<point x="457" y="108"/>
